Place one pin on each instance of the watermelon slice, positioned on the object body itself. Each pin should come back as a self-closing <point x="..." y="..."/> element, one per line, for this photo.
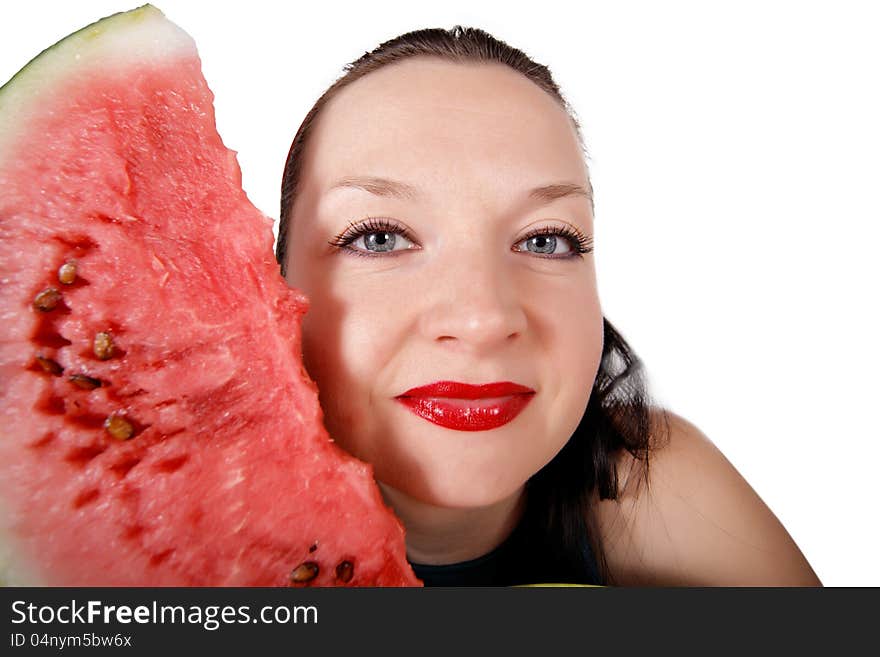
<point x="158" y="428"/>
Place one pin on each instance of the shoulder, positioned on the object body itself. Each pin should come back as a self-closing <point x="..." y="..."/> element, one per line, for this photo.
<point x="690" y="519"/>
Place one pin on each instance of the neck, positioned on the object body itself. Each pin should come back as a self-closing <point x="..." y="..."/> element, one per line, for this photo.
<point x="441" y="535"/>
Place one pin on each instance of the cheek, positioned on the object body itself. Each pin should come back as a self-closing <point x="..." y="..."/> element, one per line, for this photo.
<point x="575" y="343"/>
<point x="566" y="317"/>
<point x="579" y="342"/>
<point x="346" y="344"/>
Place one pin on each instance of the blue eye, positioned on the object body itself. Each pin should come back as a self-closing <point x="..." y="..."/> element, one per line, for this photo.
<point x="375" y="236"/>
<point x="546" y="245"/>
<point x="381" y="242"/>
<point x="555" y="242"/>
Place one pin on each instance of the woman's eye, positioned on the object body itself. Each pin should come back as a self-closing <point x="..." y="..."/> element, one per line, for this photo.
<point x="381" y="242"/>
<point x="374" y="236"/>
<point x="546" y="245"/>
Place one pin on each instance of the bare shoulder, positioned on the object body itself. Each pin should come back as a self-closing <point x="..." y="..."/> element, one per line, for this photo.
<point x="694" y="521"/>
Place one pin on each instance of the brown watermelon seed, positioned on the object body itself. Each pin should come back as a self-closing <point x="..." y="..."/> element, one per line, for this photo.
<point x="103" y="345"/>
<point x="305" y="572"/>
<point x="47" y="300"/>
<point x="85" y="382"/>
<point x="345" y="571"/>
<point x="50" y="366"/>
<point x="118" y="427"/>
<point x="67" y="272"/>
<point x="314" y="547"/>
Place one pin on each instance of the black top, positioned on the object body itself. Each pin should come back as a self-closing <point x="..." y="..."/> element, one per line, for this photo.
<point x="524" y="557"/>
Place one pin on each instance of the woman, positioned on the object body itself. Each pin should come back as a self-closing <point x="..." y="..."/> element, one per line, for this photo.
<point x="437" y="210"/>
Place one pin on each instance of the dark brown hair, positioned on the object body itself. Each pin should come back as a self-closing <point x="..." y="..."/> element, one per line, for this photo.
<point x="618" y="415"/>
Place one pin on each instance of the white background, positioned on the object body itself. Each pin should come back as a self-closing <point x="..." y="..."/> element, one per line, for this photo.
<point x="734" y="149"/>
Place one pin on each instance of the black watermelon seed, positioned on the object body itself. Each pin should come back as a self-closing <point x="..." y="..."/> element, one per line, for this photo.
<point x="305" y="572"/>
<point x="50" y="366"/>
<point x="47" y="300"/>
<point x="345" y="571"/>
<point x="85" y="382"/>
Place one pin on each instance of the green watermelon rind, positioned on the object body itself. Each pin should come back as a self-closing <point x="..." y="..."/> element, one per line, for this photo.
<point x="113" y="41"/>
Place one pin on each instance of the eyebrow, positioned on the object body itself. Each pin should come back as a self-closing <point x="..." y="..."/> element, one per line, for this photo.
<point x="378" y="186"/>
<point x="396" y="189"/>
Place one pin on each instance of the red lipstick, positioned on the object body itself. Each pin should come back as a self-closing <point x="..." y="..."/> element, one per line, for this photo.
<point x="466" y="407"/>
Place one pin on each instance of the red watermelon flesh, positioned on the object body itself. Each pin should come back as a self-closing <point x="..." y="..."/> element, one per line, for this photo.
<point x="158" y="428"/>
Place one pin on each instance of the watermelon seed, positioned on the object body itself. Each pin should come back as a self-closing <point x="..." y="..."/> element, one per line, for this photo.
<point x="118" y="427"/>
<point x="314" y="547"/>
<point x="85" y="382"/>
<point x="345" y="571"/>
<point x="305" y="572"/>
<point x="50" y="366"/>
<point x="103" y="345"/>
<point x="47" y="300"/>
<point x="67" y="272"/>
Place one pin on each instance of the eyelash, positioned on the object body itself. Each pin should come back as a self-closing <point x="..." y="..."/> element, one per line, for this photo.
<point x="580" y="243"/>
<point x="369" y="225"/>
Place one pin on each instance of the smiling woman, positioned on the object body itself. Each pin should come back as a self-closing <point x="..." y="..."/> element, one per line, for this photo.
<point x="437" y="211"/>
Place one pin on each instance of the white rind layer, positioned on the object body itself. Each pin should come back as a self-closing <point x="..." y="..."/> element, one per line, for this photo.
<point x="15" y="568"/>
<point x="141" y="36"/>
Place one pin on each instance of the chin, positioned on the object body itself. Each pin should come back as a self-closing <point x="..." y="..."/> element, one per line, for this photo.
<point x="461" y="491"/>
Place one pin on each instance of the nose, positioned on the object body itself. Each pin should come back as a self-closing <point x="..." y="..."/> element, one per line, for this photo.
<point x="474" y="304"/>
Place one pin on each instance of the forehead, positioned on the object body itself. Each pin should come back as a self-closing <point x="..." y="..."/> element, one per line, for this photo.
<point x="441" y="121"/>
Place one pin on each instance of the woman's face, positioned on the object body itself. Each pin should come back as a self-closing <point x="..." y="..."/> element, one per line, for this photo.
<point x="457" y="271"/>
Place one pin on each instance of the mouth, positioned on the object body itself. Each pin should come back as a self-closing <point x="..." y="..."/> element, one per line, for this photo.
<point x="467" y="407"/>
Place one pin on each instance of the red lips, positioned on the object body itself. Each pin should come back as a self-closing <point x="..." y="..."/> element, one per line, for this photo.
<point x="466" y="407"/>
<point x="455" y="390"/>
